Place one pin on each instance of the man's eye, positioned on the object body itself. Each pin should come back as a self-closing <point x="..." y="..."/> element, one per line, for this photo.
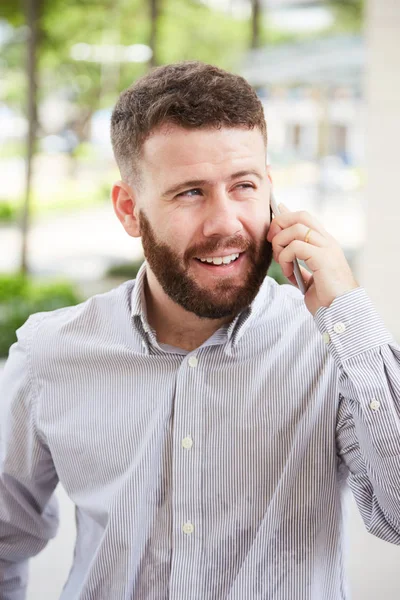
<point x="246" y="186"/>
<point x="190" y="193"/>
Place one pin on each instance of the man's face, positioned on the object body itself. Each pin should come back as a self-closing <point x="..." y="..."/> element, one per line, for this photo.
<point x="204" y="215"/>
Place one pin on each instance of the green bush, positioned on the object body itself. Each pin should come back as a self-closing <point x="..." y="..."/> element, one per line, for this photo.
<point x="12" y="287"/>
<point x="128" y="270"/>
<point x="8" y="212"/>
<point x="21" y="296"/>
<point x="275" y="272"/>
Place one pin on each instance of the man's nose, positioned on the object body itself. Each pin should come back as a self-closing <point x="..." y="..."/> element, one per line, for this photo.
<point x="222" y="217"/>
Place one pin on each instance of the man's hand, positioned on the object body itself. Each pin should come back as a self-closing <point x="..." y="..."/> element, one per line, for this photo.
<point x="331" y="274"/>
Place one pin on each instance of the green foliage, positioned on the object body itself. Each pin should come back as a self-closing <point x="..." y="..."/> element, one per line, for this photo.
<point x="127" y="270"/>
<point x="11" y="286"/>
<point x="8" y="212"/>
<point x="187" y="29"/>
<point x="20" y="297"/>
<point x="275" y="272"/>
<point x="11" y="11"/>
<point x="191" y="30"/>
<point x="349" y="15"/>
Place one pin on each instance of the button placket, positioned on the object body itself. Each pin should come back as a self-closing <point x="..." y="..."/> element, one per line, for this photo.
<point x="186" y="456"/>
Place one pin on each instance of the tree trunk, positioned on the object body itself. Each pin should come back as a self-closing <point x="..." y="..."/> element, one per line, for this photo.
<point x="32" y="18"/>
<point x="154" y="14"/>
<point x="255" y="23"/>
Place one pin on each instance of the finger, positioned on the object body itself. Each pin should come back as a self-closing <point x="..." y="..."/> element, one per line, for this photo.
<point x="297" y="232"/>
<point x="287" y="219"/>
<point x="311" y="255"/>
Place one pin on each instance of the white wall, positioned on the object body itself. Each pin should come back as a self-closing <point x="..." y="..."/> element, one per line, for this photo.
<point x="379" y="270"/>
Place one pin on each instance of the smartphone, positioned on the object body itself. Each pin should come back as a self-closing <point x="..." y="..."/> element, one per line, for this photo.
<point x="296" y="266"/>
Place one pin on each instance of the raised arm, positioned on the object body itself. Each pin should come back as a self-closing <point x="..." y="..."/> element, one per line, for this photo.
<point x="368" y="424"/>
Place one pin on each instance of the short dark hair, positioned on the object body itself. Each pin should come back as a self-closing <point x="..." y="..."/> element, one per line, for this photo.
<point x="190" y="94"/>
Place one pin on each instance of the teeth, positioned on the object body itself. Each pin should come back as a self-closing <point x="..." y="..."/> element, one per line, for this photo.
<point x="219" y="260"/>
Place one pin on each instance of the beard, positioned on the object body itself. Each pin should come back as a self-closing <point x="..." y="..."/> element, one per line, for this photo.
<point x="226" y="298"/>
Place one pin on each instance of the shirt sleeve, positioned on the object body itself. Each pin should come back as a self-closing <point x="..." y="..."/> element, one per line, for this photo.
<point x="28" y="509"/>
<point x="368" y="421"/>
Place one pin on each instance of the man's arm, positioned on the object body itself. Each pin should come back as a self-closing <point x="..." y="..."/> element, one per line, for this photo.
<point x="28" y="511"/>
<point x="368" y="423"/>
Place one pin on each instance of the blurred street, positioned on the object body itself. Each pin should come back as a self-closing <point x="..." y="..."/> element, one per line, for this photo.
<point x="80" y="245"/>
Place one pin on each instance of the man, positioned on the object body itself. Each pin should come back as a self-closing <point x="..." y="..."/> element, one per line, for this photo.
<point x="203" y="419"/>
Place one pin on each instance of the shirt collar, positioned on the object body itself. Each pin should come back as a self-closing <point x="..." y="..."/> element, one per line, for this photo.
<point x="235" y="330"/>
<point x="246" y="319"/>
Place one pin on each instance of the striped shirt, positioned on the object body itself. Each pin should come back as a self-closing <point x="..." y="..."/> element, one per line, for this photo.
<point x="215" y="474"/>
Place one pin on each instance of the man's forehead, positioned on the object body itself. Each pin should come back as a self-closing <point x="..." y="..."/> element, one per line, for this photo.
<point x="174" y="147"/>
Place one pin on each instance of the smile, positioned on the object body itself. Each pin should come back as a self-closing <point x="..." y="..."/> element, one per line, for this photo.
<point x="222" y="265"/>
<point x="219" y="260"/>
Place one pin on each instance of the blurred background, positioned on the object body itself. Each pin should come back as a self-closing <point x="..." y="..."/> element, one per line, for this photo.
<point x="327" y="74"/>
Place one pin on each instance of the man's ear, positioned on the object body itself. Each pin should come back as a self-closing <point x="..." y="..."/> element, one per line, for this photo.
<point x="125" y="207"/>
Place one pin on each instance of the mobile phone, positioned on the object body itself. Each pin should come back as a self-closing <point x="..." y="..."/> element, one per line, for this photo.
<point x="296" y="266"/>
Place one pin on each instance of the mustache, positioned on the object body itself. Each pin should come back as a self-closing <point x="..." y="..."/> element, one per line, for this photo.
<point x="213" y="246"/>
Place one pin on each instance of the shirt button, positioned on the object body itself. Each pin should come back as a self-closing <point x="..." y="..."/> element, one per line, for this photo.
<point x="193" y="361"/>
<point x="188" y="528"/>
<point x="339" y="327"/>
<point x="375" y="405"/>
<point x="187" y="442"/>
<point x="326" y="337"/>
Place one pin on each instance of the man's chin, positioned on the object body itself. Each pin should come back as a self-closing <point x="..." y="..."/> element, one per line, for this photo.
<point x="216" y="312"/>
<point x="222" y="303"/>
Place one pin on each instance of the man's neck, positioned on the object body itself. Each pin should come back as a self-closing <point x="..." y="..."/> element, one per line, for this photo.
<point x="173" y="324"/>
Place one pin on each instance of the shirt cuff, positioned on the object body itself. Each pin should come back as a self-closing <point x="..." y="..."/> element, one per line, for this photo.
<point x="351" y="325"/>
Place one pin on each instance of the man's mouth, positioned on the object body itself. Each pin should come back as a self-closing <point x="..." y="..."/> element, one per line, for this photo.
<point x="221" y="263"/>
<point x="219" y="260"/>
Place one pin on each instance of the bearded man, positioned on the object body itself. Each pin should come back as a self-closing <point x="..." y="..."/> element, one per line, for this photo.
<point x="205" y="421"/>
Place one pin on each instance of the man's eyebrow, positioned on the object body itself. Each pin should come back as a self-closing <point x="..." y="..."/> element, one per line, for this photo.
<point x="192" y="183"/>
